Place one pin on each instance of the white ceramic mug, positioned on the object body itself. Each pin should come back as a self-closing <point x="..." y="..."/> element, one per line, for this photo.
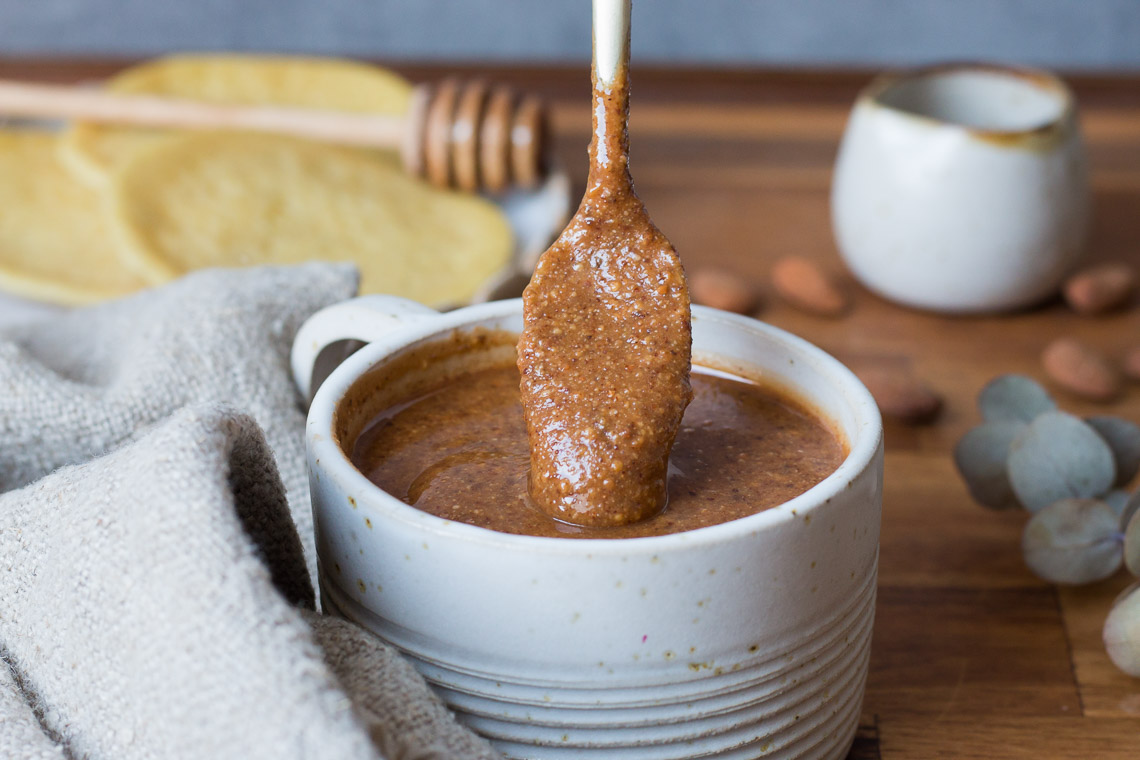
<point x="962" y="188"/>
<point x="745" y="638"/>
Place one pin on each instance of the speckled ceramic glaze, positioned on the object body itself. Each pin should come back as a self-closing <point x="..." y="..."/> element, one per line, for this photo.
<point x="741" y="640"/>
<point x="962" y="188"/>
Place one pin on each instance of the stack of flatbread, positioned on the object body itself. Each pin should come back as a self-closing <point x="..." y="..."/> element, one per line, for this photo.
<point x="95" y="211"/>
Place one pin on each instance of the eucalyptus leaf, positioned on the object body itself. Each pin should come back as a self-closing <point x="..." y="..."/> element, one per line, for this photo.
<point x="1132" y="545"/>
<point x="1058" y="456"/>
<point x="1117" y="499"/>
<point x="1123" y="437"/>
<point x="1122" y="631"/>
<point x="1014" y="397"/>
<point x="1073" y="541"/>
<point x="981" y="455"/>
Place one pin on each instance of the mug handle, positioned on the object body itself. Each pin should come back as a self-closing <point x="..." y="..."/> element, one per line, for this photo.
<point x="335" y="332"/>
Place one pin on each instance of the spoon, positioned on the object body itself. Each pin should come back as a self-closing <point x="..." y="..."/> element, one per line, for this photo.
<point x="605" y="349"/>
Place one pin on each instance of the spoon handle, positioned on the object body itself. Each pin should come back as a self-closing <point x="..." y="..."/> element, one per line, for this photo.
<point x="611" y="39"/>
<point x="609" y="147"/>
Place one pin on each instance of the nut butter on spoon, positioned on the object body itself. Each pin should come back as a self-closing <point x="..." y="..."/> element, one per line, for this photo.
<point x="606" y="343"/>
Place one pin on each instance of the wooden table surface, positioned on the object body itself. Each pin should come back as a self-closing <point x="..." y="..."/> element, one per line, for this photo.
<point x="973" y="656"/>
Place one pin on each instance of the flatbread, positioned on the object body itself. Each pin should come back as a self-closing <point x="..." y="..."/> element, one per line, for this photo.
<point x="94" y="151"/>
<point x="55" y="241"/>
<point x="232" y="199"/>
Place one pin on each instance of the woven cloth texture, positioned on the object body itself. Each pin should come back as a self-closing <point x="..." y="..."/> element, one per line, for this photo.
<point x="156" y="550"/>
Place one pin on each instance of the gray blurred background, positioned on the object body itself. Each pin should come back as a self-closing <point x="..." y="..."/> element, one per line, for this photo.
<point x="1072" y="35"/>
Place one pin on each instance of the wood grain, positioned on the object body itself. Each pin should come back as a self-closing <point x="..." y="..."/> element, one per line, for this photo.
<point x="973" y="656"/>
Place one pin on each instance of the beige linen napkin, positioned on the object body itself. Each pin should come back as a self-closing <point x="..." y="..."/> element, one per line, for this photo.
<point x="156" y="563"/>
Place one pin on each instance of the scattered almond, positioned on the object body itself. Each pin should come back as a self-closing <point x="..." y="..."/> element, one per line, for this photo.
<point x="722" y="289"/>
<point x="1132" y="363"/>
<point x="1081" y="370"/>
<point x="1100" y="288"/>
<point x="899" y="394"/>
<point x="803" y="284"/>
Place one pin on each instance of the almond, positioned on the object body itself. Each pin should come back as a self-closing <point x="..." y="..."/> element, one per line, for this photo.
<point x="722" y="289"/>
<point x="1081" y="370"/>
<point x="1100" y="288"/>
<point x="900" y="394"/>
<point x="803" y="284"/>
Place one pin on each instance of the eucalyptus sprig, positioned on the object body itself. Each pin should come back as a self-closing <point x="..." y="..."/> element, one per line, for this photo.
<point x="1070" y="474"/>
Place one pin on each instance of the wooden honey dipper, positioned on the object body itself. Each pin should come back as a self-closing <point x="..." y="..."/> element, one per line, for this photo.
<point x="470" y="136"/>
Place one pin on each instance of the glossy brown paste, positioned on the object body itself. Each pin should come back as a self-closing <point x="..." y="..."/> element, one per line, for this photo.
<point x="605" y="350"/>
<point x="460" y="451"/>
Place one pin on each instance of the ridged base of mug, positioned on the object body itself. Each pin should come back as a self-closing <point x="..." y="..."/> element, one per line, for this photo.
<point x="798" y="698"/>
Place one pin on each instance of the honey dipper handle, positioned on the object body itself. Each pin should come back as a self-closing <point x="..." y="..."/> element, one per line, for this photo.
<point x="64" y="102"/>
